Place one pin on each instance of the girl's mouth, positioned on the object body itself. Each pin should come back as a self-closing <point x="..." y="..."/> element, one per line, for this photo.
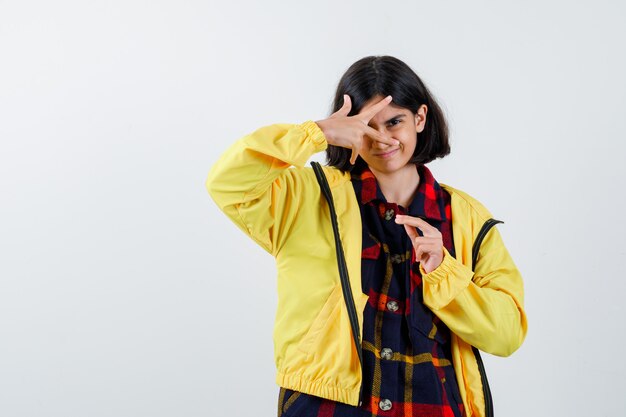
<point x="387" y="154"/>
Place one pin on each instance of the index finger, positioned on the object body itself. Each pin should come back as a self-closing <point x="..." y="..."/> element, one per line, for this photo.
<point x="371" y="112"/>
<point x="376" y="135"/>
<point x="411" y="231"/>
<point x="424" y="226"/>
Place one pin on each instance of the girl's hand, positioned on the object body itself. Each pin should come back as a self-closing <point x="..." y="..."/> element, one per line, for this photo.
<point x="429" y="247"/>
<point x="348" y="132"/>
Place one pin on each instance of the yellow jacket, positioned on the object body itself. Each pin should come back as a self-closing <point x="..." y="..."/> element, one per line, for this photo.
<point x="261" y="184"/>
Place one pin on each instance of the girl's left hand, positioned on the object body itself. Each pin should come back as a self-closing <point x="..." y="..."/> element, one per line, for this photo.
<point x="429" y="247"/>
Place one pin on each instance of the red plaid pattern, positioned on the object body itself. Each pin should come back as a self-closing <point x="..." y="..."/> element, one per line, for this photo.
<point x="407" y="365"/>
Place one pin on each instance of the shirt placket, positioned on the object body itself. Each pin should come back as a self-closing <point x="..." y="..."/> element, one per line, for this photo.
<point x="391" y="319"/>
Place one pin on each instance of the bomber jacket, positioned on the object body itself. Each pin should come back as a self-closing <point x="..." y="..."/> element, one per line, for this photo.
<point x="261" y="183"/>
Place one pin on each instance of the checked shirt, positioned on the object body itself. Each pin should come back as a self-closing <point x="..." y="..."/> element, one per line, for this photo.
<point x="407" y="364"/>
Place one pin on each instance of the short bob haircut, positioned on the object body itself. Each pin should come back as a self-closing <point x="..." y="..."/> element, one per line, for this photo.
<point x="386" y="75"/>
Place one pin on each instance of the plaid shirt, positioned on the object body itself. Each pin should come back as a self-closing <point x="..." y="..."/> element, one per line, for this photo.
<point x="407" y="364"/>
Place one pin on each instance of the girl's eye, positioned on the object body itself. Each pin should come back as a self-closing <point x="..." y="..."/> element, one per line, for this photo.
<point x="394" y="122"/>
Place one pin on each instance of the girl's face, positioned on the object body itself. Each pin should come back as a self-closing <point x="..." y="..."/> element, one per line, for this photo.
<point x="398" y="123"/>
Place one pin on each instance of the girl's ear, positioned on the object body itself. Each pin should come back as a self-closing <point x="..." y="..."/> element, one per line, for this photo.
<point x="420" y="118"/>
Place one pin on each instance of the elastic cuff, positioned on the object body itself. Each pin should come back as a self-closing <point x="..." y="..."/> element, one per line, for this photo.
<point x="439" y="273"/>
<point x="446" y="282"/>
<point x="315" y="134"/>
<point x="448" y="267"/>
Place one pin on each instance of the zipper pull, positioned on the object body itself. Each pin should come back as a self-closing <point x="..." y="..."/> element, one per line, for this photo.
<point x="361" y="395"/>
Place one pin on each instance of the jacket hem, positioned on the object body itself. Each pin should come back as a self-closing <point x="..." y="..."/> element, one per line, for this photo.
<point x="319" y="389"/>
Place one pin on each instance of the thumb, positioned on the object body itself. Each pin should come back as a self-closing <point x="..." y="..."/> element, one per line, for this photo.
<point x="347" y="105"/>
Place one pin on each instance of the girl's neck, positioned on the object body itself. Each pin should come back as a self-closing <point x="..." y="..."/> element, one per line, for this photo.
<point x="400" y="186"/>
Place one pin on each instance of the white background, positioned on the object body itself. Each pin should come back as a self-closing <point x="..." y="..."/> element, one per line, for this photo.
<point x="124" y="291"/>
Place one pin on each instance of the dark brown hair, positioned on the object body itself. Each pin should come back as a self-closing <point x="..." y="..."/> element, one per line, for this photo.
<point x="386" y="75"/>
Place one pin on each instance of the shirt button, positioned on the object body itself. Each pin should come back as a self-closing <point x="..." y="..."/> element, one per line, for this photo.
<point x="389" y="214"/>
<point x="392" y="306"/>
<point x="385" y="404"/>
<point x="386" y="353"/>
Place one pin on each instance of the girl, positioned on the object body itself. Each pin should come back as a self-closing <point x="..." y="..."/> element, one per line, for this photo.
<point x="423" y="309"/>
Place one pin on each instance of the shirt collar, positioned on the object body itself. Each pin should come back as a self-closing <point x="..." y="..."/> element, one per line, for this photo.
<point x="428" y="202"/>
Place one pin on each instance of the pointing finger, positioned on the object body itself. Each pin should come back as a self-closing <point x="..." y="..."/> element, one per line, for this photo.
<point x="411" y="231"/>
<point x="371" y="112"/>
<point x="426" y="228"/>
<point x="376" y="135"/>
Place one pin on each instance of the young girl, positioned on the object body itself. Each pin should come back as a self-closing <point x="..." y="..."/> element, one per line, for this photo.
<point x="423" y="310"/>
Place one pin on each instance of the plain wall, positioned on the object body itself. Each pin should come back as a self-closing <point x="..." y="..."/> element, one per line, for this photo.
<point x="124" y="291"/>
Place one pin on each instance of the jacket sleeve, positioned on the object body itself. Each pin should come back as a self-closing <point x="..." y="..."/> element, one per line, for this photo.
<point x="483" y="307"/>
<point x="251" y="182"/>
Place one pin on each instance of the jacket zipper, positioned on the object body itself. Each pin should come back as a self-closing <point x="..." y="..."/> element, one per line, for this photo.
<point x="354" y="323"/>
<point x="479" y="360"/>
<point x="486" y="389"/>
<point x="483" y="232"/>
<point x="343" y="269"/>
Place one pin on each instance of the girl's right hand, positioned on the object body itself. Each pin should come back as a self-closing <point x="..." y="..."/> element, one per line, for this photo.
<point x="348" y="131"/>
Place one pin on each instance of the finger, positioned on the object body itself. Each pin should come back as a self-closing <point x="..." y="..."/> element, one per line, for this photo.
<point x="371" y="111"/>
<point x="354" y="155"/>
<point x="426" y="228"/>
<point x="376" y="135"/>
<point x="411" y="231"/>
<point x="425" y="241"/>
<point x="422" y="250"/>
<point x="419" y="253"/>
<point x="345" y="108"/>
<point x="426" y="246"/>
